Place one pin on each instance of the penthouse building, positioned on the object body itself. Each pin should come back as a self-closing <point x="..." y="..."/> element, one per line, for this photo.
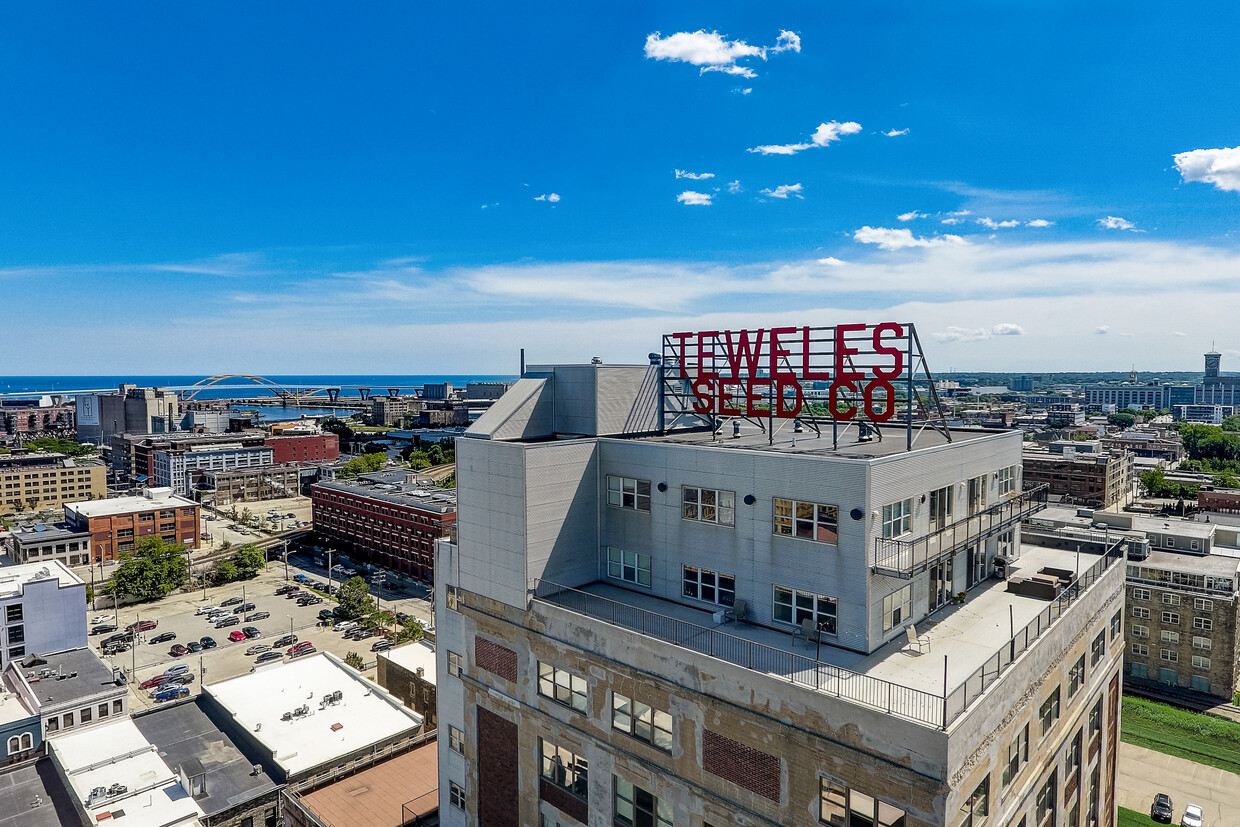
<point x="117" y="524"/>
<point x="654" y="616"/>
<point x="34" y="481"/>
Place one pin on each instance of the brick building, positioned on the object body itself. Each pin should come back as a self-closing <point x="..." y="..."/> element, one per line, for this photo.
<point x="393" y="410"/>
<point x="304" y="448"/>
<point x="408" y="672"/>
<point x="116" y="525"/>
<point x="134" y="455"/>
<point x="386" y="519"/>
<point x="29" y="482"/>
<point x="32" y="420"/>
<point x="1100" y="479"/>
<point x="1222" y="500"/>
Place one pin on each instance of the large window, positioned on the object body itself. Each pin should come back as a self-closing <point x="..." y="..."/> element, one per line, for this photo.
<point x="1169" y="655"/>
<point x="1141" y="612"/>
<point x="1007" y="480"/>
<point x="1169" y="637"/>
<point x="1018" y="755"/>
<point x="897" y="607"/>
<point x="1171" y="618"/>
<point x="808" y="521"/>
<point x="630" y="566"/>
<point x="711" y="586"/>
<point x="562" y="686"/>
<point x="1049" y="711"/>
<point x="1076" y="676"/>
<point x="635" y="807"/>
<point x="1203" y="643"/>
<point x="707" y="505"/>
<point x="623" y="492"/>
<point x="13" y="613"/>
<point x="456" y="740"/>
<point x="839" y="805"/>
<point x="1203" y="605"/>
<point x="564" y="768"/>
<point x="1200" y="662"/>
<point x="1203" y="624"/>
<point x="1140" y="649"/>
<point x="898" y="518"/>
<point x="1140" y="594"/>
<point x="1170" y="599"/>
<point x="654" y="726"/>
<point x="454" y="663"/>
<point x="1046" y="799"/>
<point x="793" y="606"/>
<point x="977" y="806"/>
<point x="456" y="795"/>
<point x="1099" y="648"/>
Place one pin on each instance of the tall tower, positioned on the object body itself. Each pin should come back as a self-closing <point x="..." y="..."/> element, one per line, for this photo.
<point x="1213" y="359"/>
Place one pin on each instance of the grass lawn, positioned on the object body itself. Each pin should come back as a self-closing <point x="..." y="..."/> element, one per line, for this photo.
<point x="1131" y="818"/>
<point x="1197" y="736"/>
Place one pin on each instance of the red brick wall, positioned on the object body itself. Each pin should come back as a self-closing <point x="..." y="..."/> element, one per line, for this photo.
<point x="743" y="765"/>
<point x="315" y="448"/>
<point x="496" y="659"/>
<point x="498" y="790"/>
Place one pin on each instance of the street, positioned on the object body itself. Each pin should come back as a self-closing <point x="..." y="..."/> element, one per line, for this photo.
<point x="1142" y="773"/>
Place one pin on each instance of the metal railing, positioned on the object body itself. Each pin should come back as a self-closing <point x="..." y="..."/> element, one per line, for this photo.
<point x="959" y="699"/>
<point x="876" y="693"/>
<point x="905" y="558"/>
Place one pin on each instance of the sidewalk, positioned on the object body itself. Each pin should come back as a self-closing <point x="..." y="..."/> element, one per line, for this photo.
<point x="1142" y="772"/>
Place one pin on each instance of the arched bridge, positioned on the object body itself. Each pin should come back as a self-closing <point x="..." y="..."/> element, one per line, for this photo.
<point x="289" y="395"/>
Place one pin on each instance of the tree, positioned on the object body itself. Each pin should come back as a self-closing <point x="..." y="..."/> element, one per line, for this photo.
<point x="412" y="629"/>
<point x="354" y="599"/>
<point x="154" y="569"/>
<point x="336" y="426"/>
<point x="365" y="464"/>
<point x="68" y="447"/>
<point x="1121" y="420"/>
<point x="355" y="660"/>
<point x="1226" y="479"/>
<point x="1231" y="423"/>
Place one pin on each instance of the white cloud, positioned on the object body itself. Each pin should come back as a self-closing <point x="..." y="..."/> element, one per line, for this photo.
<point x="832" y="261"/>
<point x="1102" y="329"/>
<point x="712" y="52"/>
<point x="825" y="133"/>
<point x="744" y="91"/>
<point x="695" y="199"/>
<point x="991" y="224"/>
<point x="961" y="334"/>
<point x="899" y="239"/>
<point x="1007" y="329"/>
<point x="552" y="197"/>
<point x="1178" y="333"/>
<point x="734" y="187"/>
<point x="951" y="221"/>
<point x="909" y="216"/>
<point x="961" y="212"/>
<point x="895" y="133"/>
<point x="1220" y="167"/>
<point x="784" y="190"/>
<point x="696" y="176"/>
<point x="1039" y="222"/>
<point x="1113" y="222"/>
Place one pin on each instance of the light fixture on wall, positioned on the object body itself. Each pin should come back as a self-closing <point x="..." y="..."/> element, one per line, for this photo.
<point x="662" y="487"/>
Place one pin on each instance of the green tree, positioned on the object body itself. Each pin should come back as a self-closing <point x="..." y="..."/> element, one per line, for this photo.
<point x="249" y="560"/>
<point x="1231" y="423"/>
<point x="355" y="660"/>
<point x="354" y="599"/>
<point x="411" y="630"/>
<point x="365" y="464"/>
<point x="338" y="427"/>
<point x="68" y="447"/>
<point x="154" y="569"/>
<point x="1122" y="420"/>
<point x="1226" y="479"/>
<point x="418" y="460"/>
<point x="225" y="572"/>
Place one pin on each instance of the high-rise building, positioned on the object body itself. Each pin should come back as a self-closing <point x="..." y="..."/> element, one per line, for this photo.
<point x="658" y="615"/>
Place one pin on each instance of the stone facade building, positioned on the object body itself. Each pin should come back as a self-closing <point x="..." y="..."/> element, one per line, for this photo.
<point x="1100" y="479"/>
<point x="29" y="482"/>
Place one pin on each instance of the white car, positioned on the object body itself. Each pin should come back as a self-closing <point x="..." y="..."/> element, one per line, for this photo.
<point x="101" y="619"/>
<point x="344" y="626"/>
<point x="204" y="610"/>
<point x="1192" y="816"/>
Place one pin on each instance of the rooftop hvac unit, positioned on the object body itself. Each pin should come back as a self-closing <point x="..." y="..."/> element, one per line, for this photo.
<point x="1138" y="548"/>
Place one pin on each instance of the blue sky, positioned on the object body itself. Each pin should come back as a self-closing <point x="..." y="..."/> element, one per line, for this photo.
<point x="413" y="188"/>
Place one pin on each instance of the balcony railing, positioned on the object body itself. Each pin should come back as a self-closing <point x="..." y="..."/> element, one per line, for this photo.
<point x="905" y="558"/>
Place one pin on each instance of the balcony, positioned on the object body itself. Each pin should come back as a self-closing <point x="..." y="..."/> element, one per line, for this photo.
<point x="907" y="558"/>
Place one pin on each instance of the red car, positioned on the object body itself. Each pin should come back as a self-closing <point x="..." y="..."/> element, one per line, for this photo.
<point x="305" y="644"/>
<point x="151" y="683"/>
<point x="142" y="626"/>
<point x="236" y="635"/>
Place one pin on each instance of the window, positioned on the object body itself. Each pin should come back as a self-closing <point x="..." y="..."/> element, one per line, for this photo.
<point x="977" y="806"/>
<point x="1200" y="662"/>
<point x="1169" y="599"/>
<point x="456" y="795"/>
<point x="53" y="724"/>
<point x="1117" y="624"/>
<point x="838" y="805"/>
<point x="633" y="806"/>
<point x="807" y="521"/>
<point x="15" y="745"/>
<point x="67" y="720"/>
<point x="1141" y="612"/>
<point x="623" y="492"/>
<point x="1171" y="618"/>
<point x="1099" y="648"/>
<point x="629" y="566"/>
<point x="103" y="710"/>
<point x="451" y="597"/>
<point x="795" y="606"/>
<point x="1095" y="718"/>
<point x="454" y="664"/>
<point x="1140" y="594"/>
<point x="1169" y="655"/>
<point x="707" y="505"/>
<point x="1203" y="643"/>
<point x="456" y="740"/>
<point x="118" y="707"/>
<point x="1203" y="624"/>
<point x="1139" y="630"/>
<point x="1203" y="605"/>
<point x="897" y="607"/>
<point x="562" y="686"/>
<point x="1007" y="480"/>
<point x="713" y="587"/>
<point x="17" y="634"/>
<point x="653" y="726"/>
<point x="898" y="518"/>
<point x="1046" y="799"/>
<point x="1076" y="676"/>
<point x="1018" y="755"/>
<point x="564" y="768"/>
<point x="1049" y="711"/>
<point x="85" y="715"/>
<point x="1169" y="637"/>
<point x="1138" y="670"/>
<point x="13" y="614"/>
<point x="1140" y="649"/>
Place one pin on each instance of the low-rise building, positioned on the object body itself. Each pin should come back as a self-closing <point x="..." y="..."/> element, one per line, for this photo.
<point x="408" y="672"/>
<point x="117" y="524"/>
<point x="33" y="420"/>
<point x="38" y="542"/>
<point x="68" y="690"/>
<point x="1222" y="500"/>
<point x="263" y="482"/>
<point x="42" y="608"/>
<point x="393" y="410"/>
<point x="399" y="791"/>
<point x="1149" y="442"/>
<point x="30" y="481"/>
<point x="31" y="795"/>
<point x="1205" y="414"/>
<point x="387" y="518"/>
<point x="1082" y="473"/>
<point x="303" y="448"/>
<point x="175" y="466"/>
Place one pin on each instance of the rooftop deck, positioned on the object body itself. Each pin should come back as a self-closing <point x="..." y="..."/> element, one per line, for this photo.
<point x="966" y="646"/>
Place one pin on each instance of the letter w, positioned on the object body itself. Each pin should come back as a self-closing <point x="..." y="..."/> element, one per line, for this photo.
<point x="743" y="351"/>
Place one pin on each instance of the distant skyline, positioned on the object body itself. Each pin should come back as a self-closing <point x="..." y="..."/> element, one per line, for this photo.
<point x="425" y="189"/>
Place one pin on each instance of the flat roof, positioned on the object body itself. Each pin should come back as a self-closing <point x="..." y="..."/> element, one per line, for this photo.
<point x="413" y="655"/>
<point x="160" y="498"/>
<point x="12" y="707"/>
<point x="184" y="733"/>
<point x="375" y="796"/>
<point x="94" y="677"/>
<point x="32" y="795"/>
<point x="13" y="579"/>
<point x="43" y="533"/>
<point x="1211" y="565"/>
<point x="893" y="442"/>
<point x="118" y="753"/>
<point x="366" y="713"/>
<point x="429" y="497"/>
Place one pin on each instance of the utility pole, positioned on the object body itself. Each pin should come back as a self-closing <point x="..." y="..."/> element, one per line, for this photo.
<point x="286" y="561"/>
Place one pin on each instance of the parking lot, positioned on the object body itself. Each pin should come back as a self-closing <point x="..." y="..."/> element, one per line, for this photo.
<point x="176" y="614"/>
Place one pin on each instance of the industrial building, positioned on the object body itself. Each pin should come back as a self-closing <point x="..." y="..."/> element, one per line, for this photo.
<point x="675" y="597"/>
<point x="131" y="410"/>
<point x="263" y="482"/>
<point x="175" y="468"/>
<point x="1083" y="473"/>
<point x="117" y="524"/>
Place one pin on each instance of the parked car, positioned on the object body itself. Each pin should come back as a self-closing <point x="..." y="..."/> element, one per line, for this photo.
<point x="1162" y="809"/>
<point x="204" y="610"/>
<point x="1192" y="816"/>
<point x="309" y="600"/>
<point x="163" y="637"/>
<point x="301" y="578"/>
<point x="381" y="645"/>
<point x="102" y="619"/>
<point x="257" y="649"/>
<point x="267" y="657"/>
<point x="244" y="607"/>
<point x="216" y="614"/>
<point x="344" y="626"/>
<point x="116" y="647"/>
<point x="103" y="628"/>
<point x="287" y="640"/>
<point x="255" y="616"/>
<point x="305" y="644"/>
<point x="178" y="650"/>
<point x="119" y="637"/>
<point x="177" y="669"/>
<point x="150" y="683"/>
<point x="236" y="636"/>
<point x="207" y="642"/>
<point x="286" y="588"/>
<point x="308" y="651"/>
<point x="182" y="679"/>
<point x="232" y="601"/>
<point x="142" y="626"/>
<point x="194" y="647"/>
<point x="225" y="622"/>
<point x="251" y="631"/>
<point x="402" y="618"/>
<point x="294" y="595"/>
<point x="326" y="614"/>
<point x="172" y="694"/>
